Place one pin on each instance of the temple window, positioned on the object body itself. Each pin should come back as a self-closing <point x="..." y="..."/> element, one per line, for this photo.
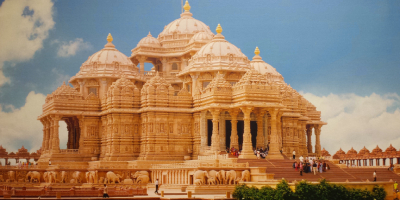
<point x="232" y="83"/>
<point x="93" y="90"/>
<point x="205" y="83"/>
<point x="174" y="66"/>
<point x="188" y="87"/>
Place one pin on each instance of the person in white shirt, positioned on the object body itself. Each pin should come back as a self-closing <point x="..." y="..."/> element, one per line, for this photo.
<point x="374" y="175"/>
<point x="156" y="187"/>
<point x="258" y="154"/>
<point x="301" y="159"/>
<point x="49" y="162"/>
<point x="294" y="154"/>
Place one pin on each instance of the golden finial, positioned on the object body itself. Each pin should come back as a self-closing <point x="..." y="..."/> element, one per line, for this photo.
<point x="186" y="6"/>
<point x="257" y="51"/>
<point x="109" y="38"/>
<point x="219" y="29"/>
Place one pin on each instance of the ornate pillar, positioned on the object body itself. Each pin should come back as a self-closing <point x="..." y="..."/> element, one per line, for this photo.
<point x="164" y="65"/>
<point x="260" y="128"/>
<point x="141" y="60"/>
<point x="183" y="63"/>
<point x="247" y="150"/>
<point x="274" y="145"/>
<point x="51" y="133"/>
<point x="56" y="138"/>
<point x="194" y="83"/>
<point x="203" y="129"/>
<point x="234" y="136"/>
<point x="103" y="89"/>
<point x="222" y="132"/>
<point x="309" y="133"/>
<point x="215" y="135"/>
<point x="317" y="130"/>
<point x="82" y="87"/>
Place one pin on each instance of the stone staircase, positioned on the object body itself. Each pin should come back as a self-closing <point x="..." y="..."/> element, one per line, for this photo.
<point x="284" y="169"/>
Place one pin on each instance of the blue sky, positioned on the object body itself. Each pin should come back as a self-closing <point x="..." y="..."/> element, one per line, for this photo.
<point x="331" y="49"/>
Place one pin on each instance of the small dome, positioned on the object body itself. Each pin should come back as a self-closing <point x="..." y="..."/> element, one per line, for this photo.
<point x="108" y="62"/>
<point x="202" y="37"/>
<point x="390" y="149"/>
<point x="184" y="25"/>
<point x="108" y="55"/>
<point x="264" y="68"/>
<point x="377" y="150"/>
<point x="363" y="151"/>
<point x="218" y="55"/>
<point x="352" y="151"/>
<point x="325" y="152"/>
<point x="149" y="41"/>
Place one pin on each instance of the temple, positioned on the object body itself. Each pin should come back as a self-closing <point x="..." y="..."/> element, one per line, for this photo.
<point x="128" y="127"/>
<point x="202" y="96"/>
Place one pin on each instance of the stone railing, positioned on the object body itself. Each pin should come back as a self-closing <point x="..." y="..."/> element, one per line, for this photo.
<point x="69" y="151"/>
<point x="191" y="165"/>
<point x="213" y="157"/>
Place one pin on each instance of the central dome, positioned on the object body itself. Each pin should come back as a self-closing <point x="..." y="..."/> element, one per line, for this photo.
<point x="184" y="25"/>
<point x="218" y="55"/>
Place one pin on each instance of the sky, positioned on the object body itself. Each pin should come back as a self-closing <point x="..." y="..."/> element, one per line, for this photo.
<point x="343" y="56"/>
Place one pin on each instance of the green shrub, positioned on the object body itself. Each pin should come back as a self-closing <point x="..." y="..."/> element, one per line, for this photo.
<point x="307" y="191"/>
<point x="378" y="192"/>
<point x="283" y="191"/>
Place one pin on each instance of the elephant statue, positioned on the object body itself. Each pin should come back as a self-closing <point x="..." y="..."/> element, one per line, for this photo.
<point x="213" y="175"/>
<point x="142" y="177"/>
<point x="64" y="177"/>
<point x="91" y="177"/>
<point x="52" y="177"/>
<point x="113" y="178"/>
<point x="200" y="177"/>
<point x="46" y="177"/>
<point x="211" y="181"/>
<point x="78" y="176"/>
<point x="30" y="176"/>
<point x="11" y="176"/>
<point x="230" y="176"/>
<point x="245" y="175"/>
<point x="221" y="176"/>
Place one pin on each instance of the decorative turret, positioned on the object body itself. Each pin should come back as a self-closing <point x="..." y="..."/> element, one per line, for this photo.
<point x="363" y="151"/>
<point x="157" y="92"/>
<point x="264" y="68"/>
<point x="325" y="152"/>
<point x="352" y="152"/>
<point x="377" y="150"/>
<point x="390" y="150"/>
<point x="122" y="94"/>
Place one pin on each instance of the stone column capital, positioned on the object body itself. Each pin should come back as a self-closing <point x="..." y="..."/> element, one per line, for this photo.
<point x="246" y="110"/>
<point x="141" y="59"/>
<point x="234" y="112"/>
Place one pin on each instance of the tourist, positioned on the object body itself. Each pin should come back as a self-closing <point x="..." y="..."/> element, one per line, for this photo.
<point x="294" y="154"/>
<point x="374" y="175"/>
<point x="395" y="187"/>
<point x="258" y="154"/>
<point x="320" y="167"/>
<point x="324" y="167"/>
<point x="301" y="159"/>
<point x="105" y="192"/>
<point x="315" y="168"/>
<point x="49" y="162"/>
<point x="156" y="192"/>
<point x="391" y="167"/>
<point x="301" y="169"/>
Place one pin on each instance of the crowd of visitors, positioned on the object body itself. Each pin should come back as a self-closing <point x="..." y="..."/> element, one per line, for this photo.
<point x="310" y="165"/>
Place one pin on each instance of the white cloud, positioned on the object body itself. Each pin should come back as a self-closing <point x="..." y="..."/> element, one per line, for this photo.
<point x="21" y="127"/>
<point x="356" y="121"/>
<point x="24" y="25"/>
<point x="70" y="48"/>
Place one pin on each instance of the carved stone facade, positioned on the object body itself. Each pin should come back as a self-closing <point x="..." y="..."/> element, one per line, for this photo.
<point x="116" y="111"/>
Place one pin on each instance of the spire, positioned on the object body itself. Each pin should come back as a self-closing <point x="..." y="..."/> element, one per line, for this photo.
<point x="149" y="35"/>
<point x="219" y="29"/>
<point x="186" y="6"/>
<point x="257" y="51"/>
<point x="109" y="38"/>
